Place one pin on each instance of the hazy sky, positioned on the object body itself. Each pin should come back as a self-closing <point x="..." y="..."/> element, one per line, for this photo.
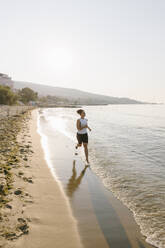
<point x="113" y="47"/>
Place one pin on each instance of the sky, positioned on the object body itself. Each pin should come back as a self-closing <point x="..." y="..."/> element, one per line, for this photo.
<point x="112" y="47"/>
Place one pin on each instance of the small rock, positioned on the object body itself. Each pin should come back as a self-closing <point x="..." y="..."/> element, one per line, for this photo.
<point x="20" y="173"/>
<point x="8" y="206"/>
<point x="10" y="235"/>
<point x="24" y="228"/>
<point x="21" y="220"/>
<point x="27" y="146"/>
<point x="29" y="180"/>
<point x="22" y="150"/>
<point x="18" y="192"/>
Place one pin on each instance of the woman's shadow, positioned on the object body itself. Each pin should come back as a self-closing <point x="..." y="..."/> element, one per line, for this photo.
<point x="74" y="181"/>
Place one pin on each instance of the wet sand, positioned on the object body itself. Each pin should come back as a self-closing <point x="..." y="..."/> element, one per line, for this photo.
<point x="103" y="221"/>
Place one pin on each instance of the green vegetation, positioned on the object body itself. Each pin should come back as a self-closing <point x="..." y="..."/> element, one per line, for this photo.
<point x="52" y="100"/>
<point x="7" y="96"/>
<point x="26" y="95"/>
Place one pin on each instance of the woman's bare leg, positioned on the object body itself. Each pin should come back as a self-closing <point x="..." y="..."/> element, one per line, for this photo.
<point x="77" y="146"/>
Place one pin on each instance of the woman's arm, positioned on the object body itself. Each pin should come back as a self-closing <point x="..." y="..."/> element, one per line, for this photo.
<point x="89" y="128"/>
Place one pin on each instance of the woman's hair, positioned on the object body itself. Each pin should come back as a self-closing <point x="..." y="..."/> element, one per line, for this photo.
<point x="79" y="111"/>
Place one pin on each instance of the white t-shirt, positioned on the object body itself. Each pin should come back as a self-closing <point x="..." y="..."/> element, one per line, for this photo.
<point x="83" y="122"/>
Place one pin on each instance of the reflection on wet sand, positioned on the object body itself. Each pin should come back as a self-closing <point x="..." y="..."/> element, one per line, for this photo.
<point x="74" y="181"/>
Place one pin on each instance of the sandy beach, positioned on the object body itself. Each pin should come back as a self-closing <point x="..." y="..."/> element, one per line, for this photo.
<point x="52" y="223"/>
<point x="71" y="209"/>
<point x="40" y="204"/>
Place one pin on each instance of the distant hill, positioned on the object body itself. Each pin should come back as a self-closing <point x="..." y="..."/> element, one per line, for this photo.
<point x="81" y="97"/>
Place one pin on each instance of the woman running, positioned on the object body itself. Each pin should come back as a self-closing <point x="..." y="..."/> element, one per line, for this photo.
<point x="82" y="135"/>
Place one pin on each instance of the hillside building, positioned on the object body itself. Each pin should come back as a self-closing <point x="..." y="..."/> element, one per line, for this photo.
<point x="6" y="80"/>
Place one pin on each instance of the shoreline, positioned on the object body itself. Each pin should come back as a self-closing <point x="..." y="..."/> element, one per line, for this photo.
<point x="69" y="209"/>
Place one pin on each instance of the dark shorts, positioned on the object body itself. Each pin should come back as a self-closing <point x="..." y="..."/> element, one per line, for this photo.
<point x="82" y="138"/>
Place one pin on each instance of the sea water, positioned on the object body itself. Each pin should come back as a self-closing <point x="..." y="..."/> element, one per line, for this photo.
<point x="126" y="150"/>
